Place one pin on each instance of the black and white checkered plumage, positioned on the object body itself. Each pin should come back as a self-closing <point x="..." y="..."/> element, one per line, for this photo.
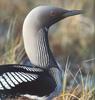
<point x="16" y="80"/>
<point x="43" y="80"/>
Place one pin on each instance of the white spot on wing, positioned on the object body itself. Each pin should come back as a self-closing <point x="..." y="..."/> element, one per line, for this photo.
<point x="30" y="68"/>
<point x="36" y="70"/>
<point x="8" y="80"/>
<point x="4" y="83"/>
<point x="1" y="87"/>
<point x="34" y="76"/>
<point x="16" y="77"/>
<point x="21" y="77"/>
<point x="12" y="78"/>
<point x="26" y="77"/>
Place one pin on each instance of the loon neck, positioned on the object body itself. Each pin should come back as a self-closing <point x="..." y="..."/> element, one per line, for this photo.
<point x="37" y="48"/>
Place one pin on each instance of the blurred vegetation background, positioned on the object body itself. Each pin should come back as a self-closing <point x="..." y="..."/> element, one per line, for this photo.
<point x="73" y="37"/>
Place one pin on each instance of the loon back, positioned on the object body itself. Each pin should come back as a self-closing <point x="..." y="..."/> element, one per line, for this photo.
<point x="17" y="80"/>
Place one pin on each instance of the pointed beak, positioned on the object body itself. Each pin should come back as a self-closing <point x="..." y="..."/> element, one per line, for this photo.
<point x="72" y="13"/>
<point x="60" y="14"/>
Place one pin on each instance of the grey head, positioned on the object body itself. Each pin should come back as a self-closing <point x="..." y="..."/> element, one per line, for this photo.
<point x="35" y="32"/>
<point x="49" y="15"/>
<point x="45" y="16"/>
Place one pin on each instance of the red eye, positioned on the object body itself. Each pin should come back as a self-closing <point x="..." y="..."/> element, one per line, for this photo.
<point x="52" y="13"/>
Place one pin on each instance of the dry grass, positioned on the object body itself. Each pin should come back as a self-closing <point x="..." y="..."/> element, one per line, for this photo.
<point x="83" y="90"/>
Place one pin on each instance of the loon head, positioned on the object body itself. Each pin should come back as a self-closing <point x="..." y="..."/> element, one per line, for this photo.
<point x="35" y="29"/>
<point x="45" y="16"/>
